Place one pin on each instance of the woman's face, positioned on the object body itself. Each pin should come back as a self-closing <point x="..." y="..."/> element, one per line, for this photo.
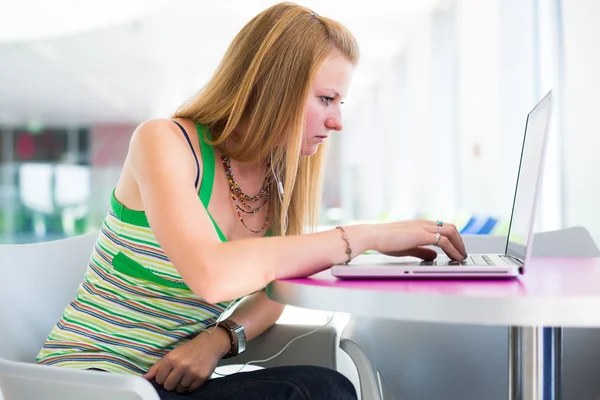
<point x="323" y="111"/>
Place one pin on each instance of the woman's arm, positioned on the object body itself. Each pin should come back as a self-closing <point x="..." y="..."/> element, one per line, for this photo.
<point x="160" y="164"/>
<point x="256" y="314"/>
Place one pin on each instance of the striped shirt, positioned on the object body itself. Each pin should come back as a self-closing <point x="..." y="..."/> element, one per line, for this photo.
<point x="132" y="306"/>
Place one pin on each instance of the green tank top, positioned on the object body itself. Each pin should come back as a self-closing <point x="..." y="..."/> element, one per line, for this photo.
<point x="132" y="306"/>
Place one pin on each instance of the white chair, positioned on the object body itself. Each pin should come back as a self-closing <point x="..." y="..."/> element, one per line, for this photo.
<point x="427" y="361"/>
<point x="40" y="279"/>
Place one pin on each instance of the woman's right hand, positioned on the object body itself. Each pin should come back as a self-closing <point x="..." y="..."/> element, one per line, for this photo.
<point x="407" y="238"/>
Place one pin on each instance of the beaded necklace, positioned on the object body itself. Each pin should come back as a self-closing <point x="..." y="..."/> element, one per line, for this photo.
<point x="239" y="197"/>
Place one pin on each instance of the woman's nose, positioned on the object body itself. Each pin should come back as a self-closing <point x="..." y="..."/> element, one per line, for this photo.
<point x="334" y="124"/>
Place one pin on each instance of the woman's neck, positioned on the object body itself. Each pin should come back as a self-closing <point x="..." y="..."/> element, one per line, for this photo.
<point x="248" y="170"/>
<point x="244" y="169"/>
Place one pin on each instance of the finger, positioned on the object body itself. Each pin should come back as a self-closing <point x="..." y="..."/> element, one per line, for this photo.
<point x="186" y="381"/>
<point x="445" y="244"/>
<point x="173" y="380"/>
<point x="163" y="372"/>
<point x="196" y="384"/>
<point x="450" y="231"/>
<point x="180" y="388"/>
<point x="458" y="240"/>
<point x="151" y="372"/>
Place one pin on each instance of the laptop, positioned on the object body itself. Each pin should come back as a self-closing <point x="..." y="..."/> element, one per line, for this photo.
<point x="520" y="233"/>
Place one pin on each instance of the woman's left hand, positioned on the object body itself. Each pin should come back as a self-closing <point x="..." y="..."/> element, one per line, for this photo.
<point x="187" y="367"/>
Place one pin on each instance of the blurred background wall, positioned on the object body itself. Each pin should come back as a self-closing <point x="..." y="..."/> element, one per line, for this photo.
<point x="433" y="122"/>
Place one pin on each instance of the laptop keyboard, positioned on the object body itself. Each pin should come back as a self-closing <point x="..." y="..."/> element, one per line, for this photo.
<point x="470" y="260"/>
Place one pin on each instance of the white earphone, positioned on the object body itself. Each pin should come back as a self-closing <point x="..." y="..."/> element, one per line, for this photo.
<point x="237" y="301"/>
<point x="280" y="351"/>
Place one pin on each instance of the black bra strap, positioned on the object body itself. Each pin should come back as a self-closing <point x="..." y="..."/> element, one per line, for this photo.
<point x="193" y="152"/>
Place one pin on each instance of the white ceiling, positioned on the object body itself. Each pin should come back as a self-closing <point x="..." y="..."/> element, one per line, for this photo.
<point x="147" y="66"/>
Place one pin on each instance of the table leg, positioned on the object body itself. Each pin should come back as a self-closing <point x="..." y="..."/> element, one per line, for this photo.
<point x="535" y="363"/>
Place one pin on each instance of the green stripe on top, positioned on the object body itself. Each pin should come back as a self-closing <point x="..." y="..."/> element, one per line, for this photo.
<point x="208" y="173"/>
<point x="208" y="166"/>
<point x="127" y="215"/>
<point x="219" y="232"/>
<point x="130" y="267"/>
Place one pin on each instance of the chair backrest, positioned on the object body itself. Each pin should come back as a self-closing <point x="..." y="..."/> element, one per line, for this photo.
<point x="487" y="226"/>
<point x="20" y="380"/>
<point x="467" y="229"/>
<point x="569" y="242"/>
<point x="431" y="361"/>
<point x="38" y="281"/>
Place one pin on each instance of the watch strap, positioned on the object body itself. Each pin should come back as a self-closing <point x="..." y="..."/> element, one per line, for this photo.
<point x="230" y="327"/>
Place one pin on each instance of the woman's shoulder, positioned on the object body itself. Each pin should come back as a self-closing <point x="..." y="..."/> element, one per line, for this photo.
<point x="159" y="130"/>
<point x="157" y="150"/>
<point x="160" y="144"/>
<point x="160" y="135"/>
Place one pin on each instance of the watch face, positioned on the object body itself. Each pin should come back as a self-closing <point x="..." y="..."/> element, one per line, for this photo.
<point x="241" y="338"/>
<point x="242" y="343"/>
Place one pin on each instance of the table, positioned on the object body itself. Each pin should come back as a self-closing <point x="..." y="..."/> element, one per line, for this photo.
<point x="553" y="292"/>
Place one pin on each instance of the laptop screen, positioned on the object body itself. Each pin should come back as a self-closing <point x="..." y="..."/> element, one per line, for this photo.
<point x="529" y="179"/>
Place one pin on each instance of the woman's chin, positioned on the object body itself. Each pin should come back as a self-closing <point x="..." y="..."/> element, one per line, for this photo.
<point x="310" y="150"/>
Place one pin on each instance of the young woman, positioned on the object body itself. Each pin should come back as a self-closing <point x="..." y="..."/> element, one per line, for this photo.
<point x="214" y="204"/>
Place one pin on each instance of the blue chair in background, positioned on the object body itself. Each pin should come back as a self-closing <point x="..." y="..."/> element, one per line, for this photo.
<point x="470" y="227"/>
<point x="487" y="226"/>
<point x="479" y="226"/>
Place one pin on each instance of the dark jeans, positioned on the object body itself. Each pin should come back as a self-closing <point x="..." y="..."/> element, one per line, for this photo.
<point x="278" y="383"/>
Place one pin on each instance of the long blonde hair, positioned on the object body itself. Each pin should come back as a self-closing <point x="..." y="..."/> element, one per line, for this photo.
<point x="265" y="77"/>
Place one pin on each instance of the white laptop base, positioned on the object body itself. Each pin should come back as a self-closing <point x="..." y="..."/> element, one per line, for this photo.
<point x="380" y="266"/>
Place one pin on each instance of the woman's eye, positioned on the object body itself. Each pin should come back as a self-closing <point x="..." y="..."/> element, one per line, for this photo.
<point x="326" y="100"/>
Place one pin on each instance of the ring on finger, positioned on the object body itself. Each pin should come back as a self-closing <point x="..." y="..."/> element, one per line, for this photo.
<point x="440" y="223"/>
<point x="437" y="238"/>
<point x="439" y="228"/>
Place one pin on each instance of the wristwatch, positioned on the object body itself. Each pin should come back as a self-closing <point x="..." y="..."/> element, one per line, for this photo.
<point x="237" y="337"/>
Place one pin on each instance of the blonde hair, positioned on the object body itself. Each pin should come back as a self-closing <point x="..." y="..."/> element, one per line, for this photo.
<point x="265" y="77"/>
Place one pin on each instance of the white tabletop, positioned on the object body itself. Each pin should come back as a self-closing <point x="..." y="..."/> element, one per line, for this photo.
<point x="552" y="292"/>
